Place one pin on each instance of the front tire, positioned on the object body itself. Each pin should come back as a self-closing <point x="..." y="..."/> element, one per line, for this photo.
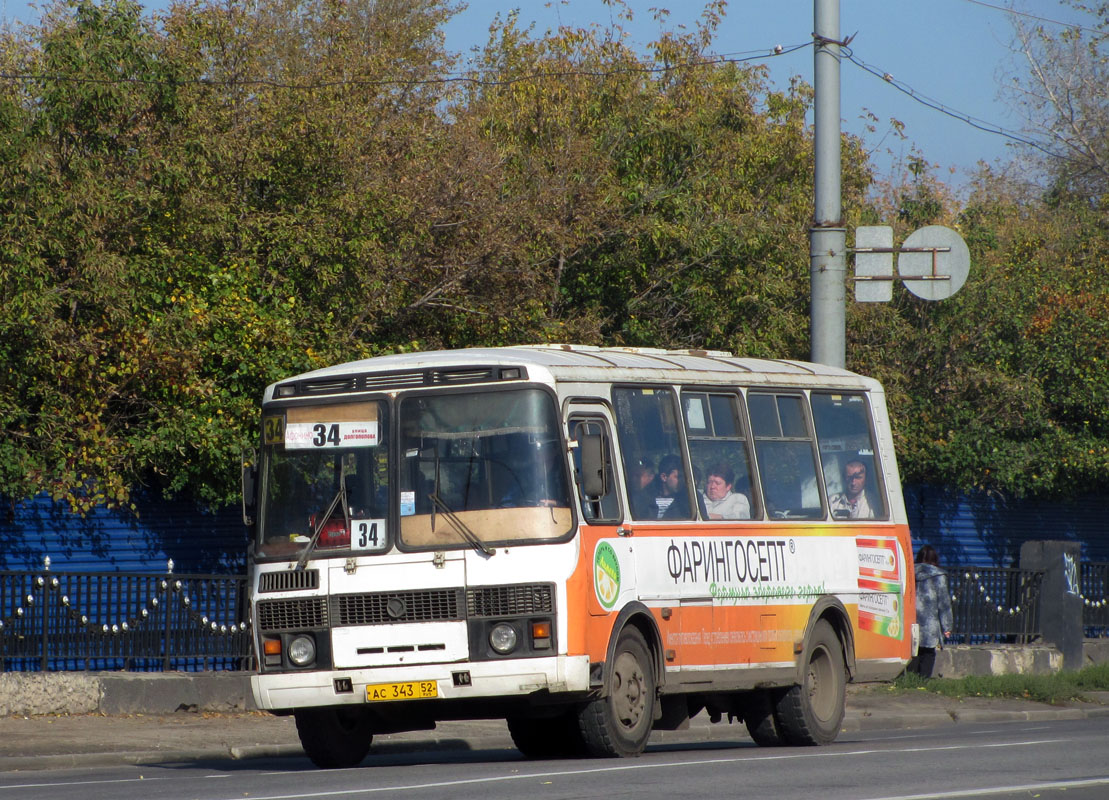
<point x="547" y="737"/>
<point x="620" y="723"/>
<point x="334" y="737"/>
<point x="813" y="712"/>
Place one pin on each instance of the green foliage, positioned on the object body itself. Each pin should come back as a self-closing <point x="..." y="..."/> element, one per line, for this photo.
<point x="1001" y="388"/>
<point x="1055" y="688"/>
<point x="673" y="200"/>
<point x="198" y="205"/>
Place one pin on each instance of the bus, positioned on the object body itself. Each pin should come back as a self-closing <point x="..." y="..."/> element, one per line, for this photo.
<point x="589" y="543"/>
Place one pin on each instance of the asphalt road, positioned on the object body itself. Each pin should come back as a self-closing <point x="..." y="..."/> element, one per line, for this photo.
<point x="1051" y="759"/>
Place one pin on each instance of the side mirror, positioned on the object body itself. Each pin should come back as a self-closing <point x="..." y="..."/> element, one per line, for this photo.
<point x="594" y="460"/>
<point x="250" y="487"/>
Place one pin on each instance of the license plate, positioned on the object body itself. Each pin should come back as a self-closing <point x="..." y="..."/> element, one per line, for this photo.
<point x="411" y="690"/>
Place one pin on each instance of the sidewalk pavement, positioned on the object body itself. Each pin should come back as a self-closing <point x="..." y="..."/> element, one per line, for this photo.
<point x="81" y="740"/>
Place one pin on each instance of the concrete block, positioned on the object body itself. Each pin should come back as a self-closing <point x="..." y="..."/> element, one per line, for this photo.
<point x="169" y="692"/>
<point x="1095" y="651"/>
<point x="1060" y="595"/>
<point x="960" y="661"/>
<point x="35" y="693"/>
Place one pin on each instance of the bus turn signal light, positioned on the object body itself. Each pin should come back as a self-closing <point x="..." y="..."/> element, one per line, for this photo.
<point x="540" y="634"/>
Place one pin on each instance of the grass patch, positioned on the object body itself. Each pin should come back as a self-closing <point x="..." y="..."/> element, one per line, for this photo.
<point x="1057" y="688"/>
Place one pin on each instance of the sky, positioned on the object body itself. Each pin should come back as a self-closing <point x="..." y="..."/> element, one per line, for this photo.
<point x="954" y="53"/>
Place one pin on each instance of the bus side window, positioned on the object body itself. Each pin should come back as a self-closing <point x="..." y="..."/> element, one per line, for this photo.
<point x="718" y="450"/>
<point x="605" y="508"/>
<point x="849" y="459"/>
<point x="651" y="448"/>
<point x="784" y="451"/>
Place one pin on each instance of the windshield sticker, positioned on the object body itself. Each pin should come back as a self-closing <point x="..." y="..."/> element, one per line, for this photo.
<point x="407" y="504"/>
<point x="321" y="435"/>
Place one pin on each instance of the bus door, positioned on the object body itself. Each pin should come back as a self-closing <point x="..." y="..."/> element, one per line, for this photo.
<point x="605" y="579"/>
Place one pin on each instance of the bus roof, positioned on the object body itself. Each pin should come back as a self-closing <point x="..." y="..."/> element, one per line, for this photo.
<point x="564" y="362"/>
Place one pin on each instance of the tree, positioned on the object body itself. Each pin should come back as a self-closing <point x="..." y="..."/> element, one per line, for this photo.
<point x="1000" y="388"/>
<point x="674" y="196"/>
<point x="198" y="205"/>
<point x="81" y="188"/>
<point x="1063" y="98"/>
<point x="187" y="220"/>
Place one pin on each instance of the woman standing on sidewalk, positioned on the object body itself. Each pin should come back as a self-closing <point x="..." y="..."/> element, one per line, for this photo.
<point x="933" y="609"/>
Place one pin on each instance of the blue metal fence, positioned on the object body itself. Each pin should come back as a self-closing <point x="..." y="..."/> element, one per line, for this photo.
<point x="994" y="605"/>
<point x="54" y="621"/>
<point x="122" y="621"/>
<point x="1094" y="583"/>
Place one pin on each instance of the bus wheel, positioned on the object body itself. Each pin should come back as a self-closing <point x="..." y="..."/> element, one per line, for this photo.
<point x="619" y="723"/>
<point x="334" y="737"/>
<point x="812" y="712"/>
<point x="547" y="737"/>
<point x="758" y="715"/>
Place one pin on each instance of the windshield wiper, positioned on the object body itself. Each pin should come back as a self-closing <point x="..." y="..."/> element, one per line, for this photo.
<point x="339" y="498"/>
<point x="460" y="527"/>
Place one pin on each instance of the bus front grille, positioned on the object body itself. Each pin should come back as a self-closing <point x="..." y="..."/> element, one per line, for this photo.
<point x="507" y="601"/>
<point x="289" y="581"/>
<point x="385" y="608"/>
<point x="301" y="613"/>
<point x="378" y="608"/>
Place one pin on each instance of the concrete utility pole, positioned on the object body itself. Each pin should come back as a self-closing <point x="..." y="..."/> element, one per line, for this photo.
<point x="827" y="236"/>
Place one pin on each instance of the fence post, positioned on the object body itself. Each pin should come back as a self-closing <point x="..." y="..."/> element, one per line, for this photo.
<point x="1060" y="595"/>
<point x="43" y="582"/>
<point x="44" y="640"/>
<point x="167" y="609"/>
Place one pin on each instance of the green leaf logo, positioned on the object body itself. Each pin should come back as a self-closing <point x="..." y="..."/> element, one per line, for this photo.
<point x="606" y="575"/>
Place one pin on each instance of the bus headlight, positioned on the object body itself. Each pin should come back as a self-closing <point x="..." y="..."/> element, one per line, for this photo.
<point x="503" y="638"/>
<point x="302" y="651"/>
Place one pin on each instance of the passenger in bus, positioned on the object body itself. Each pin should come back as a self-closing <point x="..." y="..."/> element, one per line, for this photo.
<point x="667" y="494"/>
<point x="852" y="502"/>
<point x="641" y="489"/>
<point x="720" y="501"/>
<point x="642" y="473"/>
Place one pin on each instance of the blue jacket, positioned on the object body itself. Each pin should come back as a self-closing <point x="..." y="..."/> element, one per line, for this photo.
<point x="933" y="604"/>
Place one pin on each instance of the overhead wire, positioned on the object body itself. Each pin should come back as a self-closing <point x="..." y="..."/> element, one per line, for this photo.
<point x="476" y="79"/>
<point x="936" y="105"/>
<point x="1060" y="23"/>
<point x="447" y="78"/>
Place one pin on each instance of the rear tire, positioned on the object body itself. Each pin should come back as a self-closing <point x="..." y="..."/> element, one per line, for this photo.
<point x="813" y="712"/>
<point x="620" y="723"/>
<point x="334" y="737"/>
<point x="759" y="717"/>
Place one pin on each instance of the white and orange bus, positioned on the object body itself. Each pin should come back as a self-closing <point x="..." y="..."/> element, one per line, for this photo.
<point x="589" y="543"/>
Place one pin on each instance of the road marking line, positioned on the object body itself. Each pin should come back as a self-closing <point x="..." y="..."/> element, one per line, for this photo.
<point x="982" y="791"/>
<point x="639" y="766"/>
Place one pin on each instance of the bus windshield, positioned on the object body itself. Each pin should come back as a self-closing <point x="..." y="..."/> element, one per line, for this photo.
<point x="485" y="466"/>
<point x="325" y="479"/>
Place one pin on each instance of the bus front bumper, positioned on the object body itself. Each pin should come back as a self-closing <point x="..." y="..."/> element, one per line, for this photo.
<point x="517" y="678"/>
